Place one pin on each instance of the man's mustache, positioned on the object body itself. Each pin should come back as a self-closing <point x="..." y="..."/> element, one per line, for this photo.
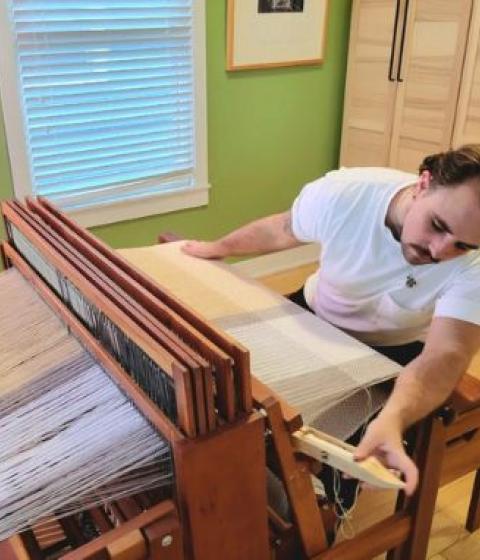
<point x="423" y="252"/>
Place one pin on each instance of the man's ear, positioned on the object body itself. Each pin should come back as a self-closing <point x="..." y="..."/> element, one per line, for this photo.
<point x="423" y="183"/>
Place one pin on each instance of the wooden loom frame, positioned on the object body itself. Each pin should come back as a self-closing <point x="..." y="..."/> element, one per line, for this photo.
<point x="235" y="445"/>
<point x="405" y="530"/>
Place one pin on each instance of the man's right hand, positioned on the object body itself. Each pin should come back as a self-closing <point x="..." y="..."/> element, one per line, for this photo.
<point x="383" y="439"/>
<point x="204" y="249"/>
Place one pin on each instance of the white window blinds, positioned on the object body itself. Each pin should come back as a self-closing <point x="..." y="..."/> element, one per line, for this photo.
<point x="107" y="93"/>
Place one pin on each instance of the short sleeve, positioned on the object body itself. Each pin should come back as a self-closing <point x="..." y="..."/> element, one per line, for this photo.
<point x="311" y="208"/>
<point x="461" y="299"/>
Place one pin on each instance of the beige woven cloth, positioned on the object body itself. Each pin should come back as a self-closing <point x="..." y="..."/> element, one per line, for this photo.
<point x="317" y="368"/>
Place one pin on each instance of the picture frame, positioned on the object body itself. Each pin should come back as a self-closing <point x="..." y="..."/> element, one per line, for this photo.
<point x="275" y="33"/>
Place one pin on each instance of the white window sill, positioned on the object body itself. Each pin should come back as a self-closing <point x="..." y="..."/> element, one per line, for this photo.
<point x="102" y="214"/>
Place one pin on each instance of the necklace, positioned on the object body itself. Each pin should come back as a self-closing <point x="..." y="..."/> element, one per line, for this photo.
<point x="410" y="281"/>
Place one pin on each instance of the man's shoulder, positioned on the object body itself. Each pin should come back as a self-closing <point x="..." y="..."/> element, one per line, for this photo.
<point x="345" y="196"/>
<point x="368" y="177"/>
<point x="358" y="185"/>
<point x="464" y="270"/>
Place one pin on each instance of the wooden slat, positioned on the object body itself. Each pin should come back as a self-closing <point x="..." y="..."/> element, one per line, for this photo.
<point x="48" y="532"/>
<point x="166" y="340"/>
<point x="101" y="519"/>
<point x="198" y="347"/>
<point x="141" y="307"/>
<point x="379" y="538"/>
<point x="461" y="457"/>
<point x="131" y="546"/>
<point x="13" y="549"/>
<point x="221" y="361"/>
<point x="163" y="510"/>
<point x="141" y="316"/>
<point x="221" y="487"/>
<point x="164" y="539"/>
<point x="129" y="507"/>
<point x="72" y="531"/>
<point x="291" y="416"/>
<point x="221" y="339"/>
<point x="466" y="395"/>
<point x="464" y="423"/>
<point x="153" y="414"/>
<point x="428" y="455"/>
<point x="298" y="485"/>
<point x="180" y="375"/>
<point x="29" y="543"/>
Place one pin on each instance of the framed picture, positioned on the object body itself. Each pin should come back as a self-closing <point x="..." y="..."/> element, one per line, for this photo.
<point x="271" y="33"/>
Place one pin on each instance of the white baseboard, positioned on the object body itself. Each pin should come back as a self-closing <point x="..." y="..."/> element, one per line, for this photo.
<point x="280" y="261"/>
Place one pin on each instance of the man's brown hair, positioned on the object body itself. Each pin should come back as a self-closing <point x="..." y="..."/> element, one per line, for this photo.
<point x="453" y="167"/>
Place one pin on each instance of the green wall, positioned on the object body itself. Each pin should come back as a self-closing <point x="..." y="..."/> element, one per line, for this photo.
<point x="6" y="189"/>
<point x="269" y="132"/>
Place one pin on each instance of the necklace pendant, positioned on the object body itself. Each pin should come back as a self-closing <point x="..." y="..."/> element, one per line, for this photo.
<point x="410" y="282"/>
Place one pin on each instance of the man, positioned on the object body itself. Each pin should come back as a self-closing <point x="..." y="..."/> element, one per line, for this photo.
<point x="400" y="271"/>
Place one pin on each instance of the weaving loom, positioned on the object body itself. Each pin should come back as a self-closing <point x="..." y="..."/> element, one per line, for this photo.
<point x="189" y="377"/>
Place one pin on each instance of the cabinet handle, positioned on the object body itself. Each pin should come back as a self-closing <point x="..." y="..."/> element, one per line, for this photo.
<point x="402" y="42"/>
<point x="394" y="41"/>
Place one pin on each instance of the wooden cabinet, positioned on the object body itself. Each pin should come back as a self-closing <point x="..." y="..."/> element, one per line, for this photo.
<point x="403" y="80"/>
<point x="369" y="93"/>
<point x="467" y="122"/>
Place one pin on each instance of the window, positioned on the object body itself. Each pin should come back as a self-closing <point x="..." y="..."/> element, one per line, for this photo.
<point x="104" y="104"/>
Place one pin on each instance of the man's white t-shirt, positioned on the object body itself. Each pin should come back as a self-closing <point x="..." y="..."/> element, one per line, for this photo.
<point x="364" y="284"/>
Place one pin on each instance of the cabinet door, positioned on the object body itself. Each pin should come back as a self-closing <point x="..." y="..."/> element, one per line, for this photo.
<point x="467" y="122"/>
<point x="432" y="64"/>
<point x="369" y="94"/>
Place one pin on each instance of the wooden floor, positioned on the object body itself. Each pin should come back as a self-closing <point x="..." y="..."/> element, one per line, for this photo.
<point x="449" y="539"/>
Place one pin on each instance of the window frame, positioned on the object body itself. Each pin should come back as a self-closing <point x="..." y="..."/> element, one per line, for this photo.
<point x="127" y="209"/>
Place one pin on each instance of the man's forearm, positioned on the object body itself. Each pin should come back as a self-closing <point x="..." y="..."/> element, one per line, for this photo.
<point x="424" y="385"/>
<point x="262" y="236"/>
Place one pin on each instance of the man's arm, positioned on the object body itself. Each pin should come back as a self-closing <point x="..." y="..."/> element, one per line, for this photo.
<point x="266" y="235"/>
<point x="424" y="385"/>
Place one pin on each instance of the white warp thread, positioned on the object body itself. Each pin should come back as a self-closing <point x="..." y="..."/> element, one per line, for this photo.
<point x="70" y="438"/>
<point x="310" y="364"/>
